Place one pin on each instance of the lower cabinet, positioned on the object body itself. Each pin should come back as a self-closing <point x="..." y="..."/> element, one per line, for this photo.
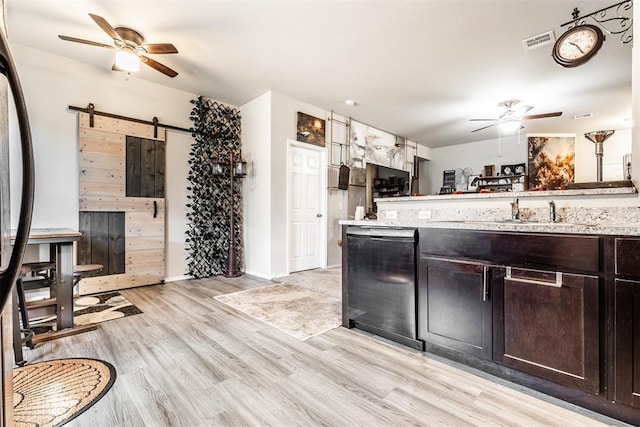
<point x="627" y="342"/>
<point x="454" y="305"/>
<point x="627" y="320"/>
<point x="547" y="325"/>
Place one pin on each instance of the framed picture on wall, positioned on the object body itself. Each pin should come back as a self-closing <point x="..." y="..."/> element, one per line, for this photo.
<point x="489" y="170"/>
<point x="551" y="161"/>
<point x="310" y="129"/>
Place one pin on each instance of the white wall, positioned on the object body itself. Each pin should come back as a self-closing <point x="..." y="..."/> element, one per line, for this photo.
<point x="51" y="83"/>
<point x="267" y="123"/>
<point x="256" y="149"/>
<point x="510" y="150"/>
<point x="283" y="127"/>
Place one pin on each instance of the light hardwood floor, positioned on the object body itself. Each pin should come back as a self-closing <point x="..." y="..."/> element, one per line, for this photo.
<point x="189" y="360"/>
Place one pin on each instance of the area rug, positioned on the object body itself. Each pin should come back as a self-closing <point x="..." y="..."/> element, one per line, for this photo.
<point x="54" y="392"/>
<point x="324" y="280"/>
<point x="90" y="309"/>
<point x="300" y="312"/>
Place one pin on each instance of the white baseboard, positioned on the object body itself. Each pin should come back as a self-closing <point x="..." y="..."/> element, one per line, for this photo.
<point x="177" y="278"/>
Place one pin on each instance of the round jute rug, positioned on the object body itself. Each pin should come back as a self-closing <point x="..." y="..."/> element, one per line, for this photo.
<point x="54" y="392"/>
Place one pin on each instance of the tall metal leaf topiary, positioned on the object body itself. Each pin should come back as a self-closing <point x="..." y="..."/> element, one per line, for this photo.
<point x="216" y="130"/>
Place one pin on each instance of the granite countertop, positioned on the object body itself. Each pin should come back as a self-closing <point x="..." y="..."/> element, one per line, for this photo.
<point x="520" y="194"/>
<point x="528" y="227"/>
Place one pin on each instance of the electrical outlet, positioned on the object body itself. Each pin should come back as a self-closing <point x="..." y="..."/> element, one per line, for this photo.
<point x="391" y="215"/>
<point x="424" y="214"/>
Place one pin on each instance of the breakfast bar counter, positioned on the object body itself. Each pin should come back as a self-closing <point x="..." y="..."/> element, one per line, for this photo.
<point x="499" y="286"/>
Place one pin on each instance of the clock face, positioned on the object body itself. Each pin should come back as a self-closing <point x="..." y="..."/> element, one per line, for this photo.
<point x="577" y="45"/>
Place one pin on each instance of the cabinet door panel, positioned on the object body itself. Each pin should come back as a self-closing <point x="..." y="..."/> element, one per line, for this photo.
<point x="455" y="310"/>
<point x="627" y="342"/>
<point x="548" y="330"/>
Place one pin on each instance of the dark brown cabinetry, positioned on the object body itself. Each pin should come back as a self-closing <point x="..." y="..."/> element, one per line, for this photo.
<point x="548" y="326"/>
<point x="559" y="313"/>
<point x="627" y="321"/>
<point x="454" y="305"/>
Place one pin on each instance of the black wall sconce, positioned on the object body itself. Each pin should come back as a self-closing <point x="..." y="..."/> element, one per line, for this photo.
<point x="237" y="168"/>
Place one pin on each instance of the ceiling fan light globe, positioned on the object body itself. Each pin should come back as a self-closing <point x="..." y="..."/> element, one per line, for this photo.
<point x="510" y="126"/>
<point x="127" y="61"/>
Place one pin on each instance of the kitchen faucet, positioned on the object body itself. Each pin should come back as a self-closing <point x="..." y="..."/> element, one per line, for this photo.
<point x="552" y="212"/>
<point x="515" y="210"/>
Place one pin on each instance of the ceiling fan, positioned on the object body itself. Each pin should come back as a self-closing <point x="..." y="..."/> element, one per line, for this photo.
<point x="512" y="117"/>
<point x="129" y="42"/>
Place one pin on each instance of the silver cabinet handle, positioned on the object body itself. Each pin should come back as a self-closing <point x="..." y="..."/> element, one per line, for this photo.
<point x="485" y="283"/>
<point x="556" y="284"/>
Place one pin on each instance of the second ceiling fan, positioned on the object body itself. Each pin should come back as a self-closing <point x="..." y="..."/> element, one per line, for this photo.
<point x="514" y="116"/>
<point x="130" y="42"/>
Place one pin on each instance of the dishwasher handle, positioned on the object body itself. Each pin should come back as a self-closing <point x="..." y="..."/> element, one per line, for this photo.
<point x="384" y="232"/>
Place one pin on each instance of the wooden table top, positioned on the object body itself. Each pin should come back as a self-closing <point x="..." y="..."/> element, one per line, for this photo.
<point x="51" y="235"/>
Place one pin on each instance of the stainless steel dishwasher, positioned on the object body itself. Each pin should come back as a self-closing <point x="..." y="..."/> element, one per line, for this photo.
<point x="381" y="282"/>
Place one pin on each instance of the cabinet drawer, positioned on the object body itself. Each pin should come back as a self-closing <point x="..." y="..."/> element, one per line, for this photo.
<point x="548" y="326"/>
<point x="627" y="256"/>
<point x="529" y="250"/>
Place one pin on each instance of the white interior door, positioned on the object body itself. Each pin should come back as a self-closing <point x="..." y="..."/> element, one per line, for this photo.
<point x="305" y="209"/>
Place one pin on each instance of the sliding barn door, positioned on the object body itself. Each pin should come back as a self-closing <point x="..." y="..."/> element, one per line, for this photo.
<point x="122" y="204"/>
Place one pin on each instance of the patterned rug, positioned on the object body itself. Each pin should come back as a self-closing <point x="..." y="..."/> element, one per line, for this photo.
<point x="90" y="309"/>
<point x="324" y="280"/>
<point x="300" y="312"/>
<point x="55" y="392"/>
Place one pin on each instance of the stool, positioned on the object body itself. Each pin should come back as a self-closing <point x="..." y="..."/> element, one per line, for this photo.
<point x="83" y="270"/>
<point x="43" y="270"/>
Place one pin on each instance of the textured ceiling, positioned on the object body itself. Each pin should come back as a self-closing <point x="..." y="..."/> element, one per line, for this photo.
<point x="418" y="69"/>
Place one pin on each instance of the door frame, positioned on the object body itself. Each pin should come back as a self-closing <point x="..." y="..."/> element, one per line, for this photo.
<point x="322" y="191"/>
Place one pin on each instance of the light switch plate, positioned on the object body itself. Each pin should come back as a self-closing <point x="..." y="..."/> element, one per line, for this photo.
<point x="391" y="215"/>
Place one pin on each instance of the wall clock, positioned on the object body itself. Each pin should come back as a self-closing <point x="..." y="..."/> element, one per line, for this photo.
<point x="577" y="45"/>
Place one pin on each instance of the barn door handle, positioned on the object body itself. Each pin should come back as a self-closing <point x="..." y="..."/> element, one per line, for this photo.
<point x="155" y="209"/>
<point x="8" y="277"/>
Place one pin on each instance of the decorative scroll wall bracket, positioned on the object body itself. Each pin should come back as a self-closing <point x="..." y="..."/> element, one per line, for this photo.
<point x="615" y="19"/>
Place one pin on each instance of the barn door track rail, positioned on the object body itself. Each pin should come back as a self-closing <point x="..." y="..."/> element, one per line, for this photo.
<point x="90" y="109"/>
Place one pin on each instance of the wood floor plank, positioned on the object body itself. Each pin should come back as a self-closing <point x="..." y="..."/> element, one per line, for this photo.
<point x="189" y="360"/>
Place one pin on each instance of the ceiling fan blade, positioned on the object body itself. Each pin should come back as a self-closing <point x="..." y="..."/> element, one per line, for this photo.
<point x="106" y="27"/>
<point x="476" y="130"/>
<point x="160" y="48"/>
<point x="89" y="42"/>
<point x="158" y="66"/>
<point x="483" y="120"/>
<point x="542" y="116"/>
<point x="522" y="111"/>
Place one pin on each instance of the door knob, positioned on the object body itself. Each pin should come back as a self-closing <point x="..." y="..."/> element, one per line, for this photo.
<point x="319" y="215"/>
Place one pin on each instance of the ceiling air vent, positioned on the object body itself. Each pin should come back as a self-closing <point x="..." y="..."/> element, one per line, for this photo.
<point x="538" y="41"/>
<point x="582" y="116"/>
